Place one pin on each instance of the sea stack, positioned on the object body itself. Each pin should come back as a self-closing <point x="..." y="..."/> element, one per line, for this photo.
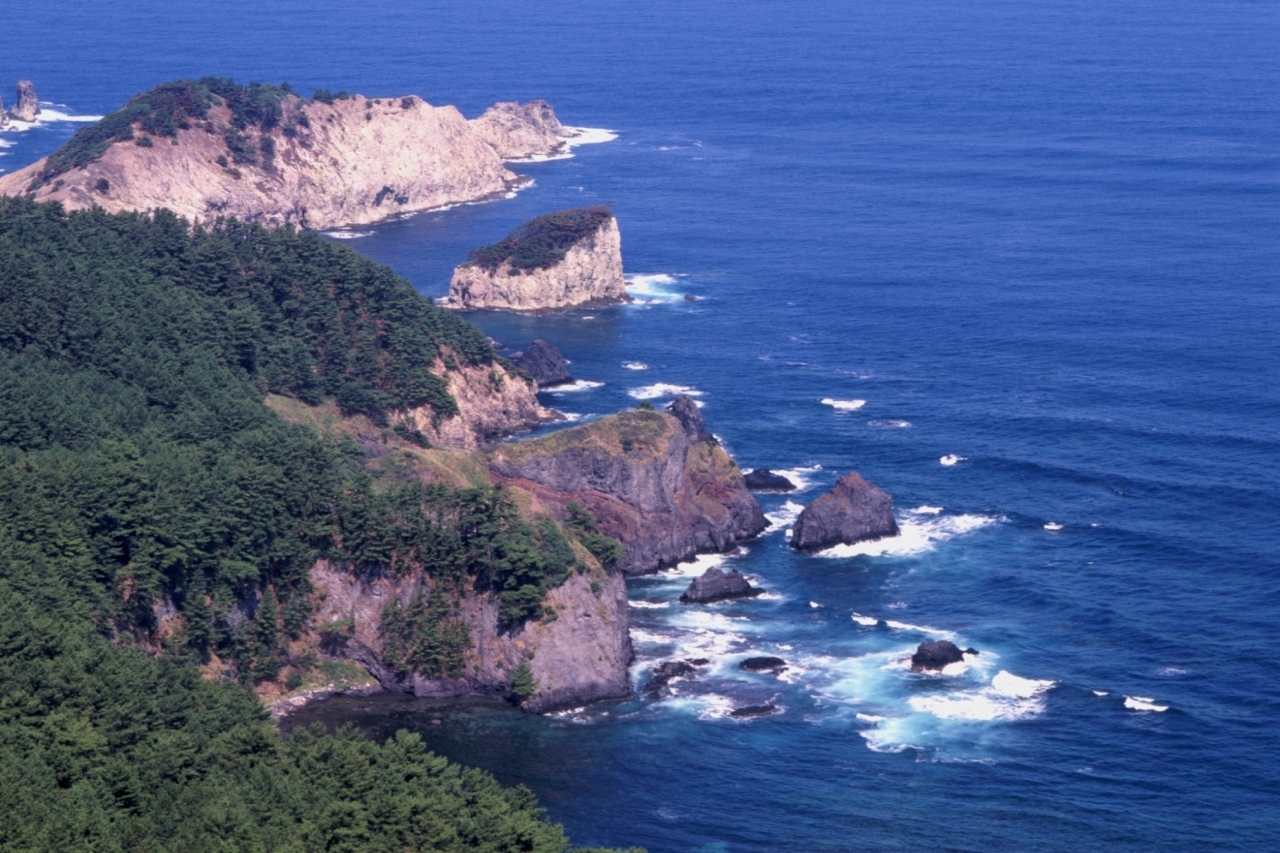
<point x="558" y="261"/>
<point x="937" y="655"/>
<point x="27" y="106"/>
<point x="544" y="363"/>
<point x="718" y="585"/>
<point x="854" y="511"/>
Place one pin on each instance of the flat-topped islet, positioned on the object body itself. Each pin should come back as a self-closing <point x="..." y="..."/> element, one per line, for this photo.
<point x="555" y="262"/>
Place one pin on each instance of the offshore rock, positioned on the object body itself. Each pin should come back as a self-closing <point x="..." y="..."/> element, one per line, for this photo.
<point x="752" y="711"/>
<point x="522" y="131"/>
<point x="544" y="363"/>
<point x="650" y="479"/>
<point x="350" y="162"/>
<point x="763" y="664"/>
<point x="764" y="480"/>
<point x="718" y="585"/>
<point x="27" y="106"/>
<point x="854" y="511"/>
<point x="936" y="655"/>
<point x="589" y="273"/>
<point x="663" y="674"/>
<point x="580" y="657"/>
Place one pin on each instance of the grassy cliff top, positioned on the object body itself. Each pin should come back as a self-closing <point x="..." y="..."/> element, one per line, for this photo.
<point x="632" y="431"/>
<point x="543" y="241"/>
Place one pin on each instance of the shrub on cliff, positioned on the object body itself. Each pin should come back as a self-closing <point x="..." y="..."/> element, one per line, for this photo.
<point x="542" y="242"/>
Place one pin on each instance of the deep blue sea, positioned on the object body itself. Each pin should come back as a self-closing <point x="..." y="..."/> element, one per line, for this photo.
<point x="1039" y="237"/>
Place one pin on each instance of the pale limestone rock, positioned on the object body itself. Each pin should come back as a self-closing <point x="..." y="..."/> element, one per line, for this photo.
<point x="590" y="274"/>
<point x="522" y="131"/>
<point x="355" y="162"/>
<point x="27" y="106"/>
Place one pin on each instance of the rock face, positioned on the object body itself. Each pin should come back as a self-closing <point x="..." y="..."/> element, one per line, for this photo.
<point x="718" y="585"/>
<point x="544" y="363"/>
<point x="522" y="131"/>
<point x="648" y="478"/>
<point x="764" y="480"/>
<point x="590" y="274"/>
<point x="854" y="511"/>
<point x="581" y="656"/>
<point x="936" y="655"/>
<point x="493" y="403"/>
<point x="27" y="106"/>
<point x="350" y="162"/>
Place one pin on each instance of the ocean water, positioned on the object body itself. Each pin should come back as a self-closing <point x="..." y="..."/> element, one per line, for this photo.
<point x="1039" y="240"/>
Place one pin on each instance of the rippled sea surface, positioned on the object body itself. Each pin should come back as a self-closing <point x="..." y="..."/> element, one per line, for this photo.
<point x="1041" y="238"/>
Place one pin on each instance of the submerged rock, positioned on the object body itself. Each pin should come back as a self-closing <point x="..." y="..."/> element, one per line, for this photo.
<point x="717" y="585"/>
<point x="544" y="363"/>
<point x="668" y="670"/>
<point x="754" y="711"/>
<point x="764" y="480"/>
<point x="936" y="655"/>
<point x="27" y="106"/>
<point x="854" y="511"/>
<point x="763" y="664"/>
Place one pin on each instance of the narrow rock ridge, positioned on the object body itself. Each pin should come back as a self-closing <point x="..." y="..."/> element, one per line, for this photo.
<point x="589" y="275"/>
<point x="579" y="657"/>
<point x="493" y="403"/>
<point x="648" y="478"/>
<point x="350" y="162"/>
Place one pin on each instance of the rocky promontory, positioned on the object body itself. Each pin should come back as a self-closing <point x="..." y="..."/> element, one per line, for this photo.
<point x="652" y="480"/>
<point x="522" y="131"/>
<point x="211" y="148"/>
<point x="558" y="261"/>
<point x="854" y="511"/>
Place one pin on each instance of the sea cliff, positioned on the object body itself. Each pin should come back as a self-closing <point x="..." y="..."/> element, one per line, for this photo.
<point x="315" y="163"/>
<point x="569" y="259"/>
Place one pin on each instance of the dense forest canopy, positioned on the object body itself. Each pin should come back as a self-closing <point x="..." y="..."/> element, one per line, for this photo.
<point x="543" y="241"/>
<point x="142" y="479"/>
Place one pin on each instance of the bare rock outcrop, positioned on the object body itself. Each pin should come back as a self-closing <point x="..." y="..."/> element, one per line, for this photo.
<point x="522" y="131"/>
<point x="764" y="480"/>
<point x="27" y="106"/>
<point x="569" y="259"/>
<point x="579" y="657"/>
<point x="718" y="585"/>
<point x="934" y="656"/>
<point x="493" y="403"/>
<point x="351" y="161"/>
<point x="648" y="478"/>
<point x="854" y="511"/>
<point x="544" y="363"/>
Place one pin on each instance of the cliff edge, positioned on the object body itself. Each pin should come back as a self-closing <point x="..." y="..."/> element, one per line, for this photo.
<point x="555" y="262"/>
<point x="211" y="148"/>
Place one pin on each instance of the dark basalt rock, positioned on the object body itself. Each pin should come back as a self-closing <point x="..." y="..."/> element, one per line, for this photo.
<point x="934" y="655"/>
<point x="718" y="585"/>
<point x="691" y="419"/>
<point x="754" y="711"/>
<point x="764" y="480"/>
<point x="544" y="363"/>
<point x="664" y="672"/>
<point x="763" y="664"/>
<point x="854" y="511"/>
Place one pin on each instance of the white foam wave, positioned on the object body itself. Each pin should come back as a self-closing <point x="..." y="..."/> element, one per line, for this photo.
<point x="635" y="365"/>
<point x="800" y="476"/>
<point x="648" y="605"/>
<point x="865" y="621"/>
<point x="695" y="567"/>
<point x="1143" y="703"/>
<point x="1053" y="526"/>
<point x="1024" y="688"/>
<point x="48" y="116"/>
<point x="347" y="235"/>
<point x="869" y="718"/>
<point x="579" y="385"/>
<point x="843" y="405"/>
<point x="920" y="629"/>
<point x="575" y="136"/>
<point x="890" y="423"/>
<point x="1171" y="670"/>
<point x="663" y="389"/>
<point x="815" y="605"/>
<point x="1008" y="698"/>
<point x="952" y="459"/>
<point x="784" y="516"/>
<point x="915" y="537"/>
<point x="571" y="417"/>
<point x="1101" y="693"/>
<point x="926" y="510"/>
<point x="653" y="289"/>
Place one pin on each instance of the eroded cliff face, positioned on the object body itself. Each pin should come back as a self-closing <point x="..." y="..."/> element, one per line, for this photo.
<point x="653" y="480"/>
<point x="522" y="131"/>
<point x="352" y="162"/>
<point x="580" y="656"/>
<point x="589" y="275"/>
<point x="493" y="403"/>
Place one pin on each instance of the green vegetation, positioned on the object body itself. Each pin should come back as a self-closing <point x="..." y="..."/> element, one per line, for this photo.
<point x="604" y="548"/>
<point x="149" y="500"/>
<point x="541" y="242"/>
<point x="523" y="684"/>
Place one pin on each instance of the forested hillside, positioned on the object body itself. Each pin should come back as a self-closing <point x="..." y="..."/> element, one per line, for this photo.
<point x="145" y="485"/>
